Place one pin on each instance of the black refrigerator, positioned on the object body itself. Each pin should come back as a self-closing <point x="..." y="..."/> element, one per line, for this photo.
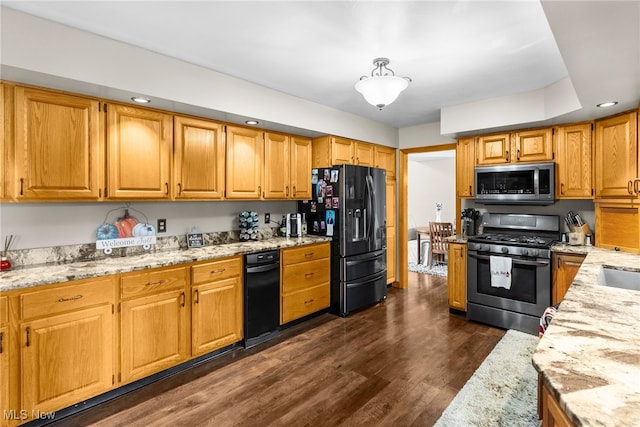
<point x="349" y="203"/>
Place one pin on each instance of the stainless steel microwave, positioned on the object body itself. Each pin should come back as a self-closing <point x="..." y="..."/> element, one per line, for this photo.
<point x="525" y="184"/>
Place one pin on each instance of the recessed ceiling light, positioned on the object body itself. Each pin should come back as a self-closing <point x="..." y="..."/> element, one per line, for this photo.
<point x="140" y="99"/>
<point x="251" y="122"/>
<point x="607" y="104"/>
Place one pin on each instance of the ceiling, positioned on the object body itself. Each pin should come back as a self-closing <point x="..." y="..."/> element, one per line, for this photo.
<point x="455" y="52"/>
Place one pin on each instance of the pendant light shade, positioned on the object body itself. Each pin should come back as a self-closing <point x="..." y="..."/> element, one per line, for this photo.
<point x="383" y="87"/>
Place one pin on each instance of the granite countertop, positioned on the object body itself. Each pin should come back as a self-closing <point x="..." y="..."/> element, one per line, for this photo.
<point x="56" y="273"/>
<point x="458" y="238"/>
<point x="589" y="357"/>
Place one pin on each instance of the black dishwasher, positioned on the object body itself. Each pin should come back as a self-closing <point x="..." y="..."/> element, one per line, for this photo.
<point x="261" y="296"/>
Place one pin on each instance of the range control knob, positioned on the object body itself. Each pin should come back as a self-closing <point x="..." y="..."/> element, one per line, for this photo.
<point x="505" y="250"/>
<point x="485" y="248"/>
<point x="524" y="252"/>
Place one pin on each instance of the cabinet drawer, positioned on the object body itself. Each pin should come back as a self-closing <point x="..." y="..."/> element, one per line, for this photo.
<point x="4" y="311"/>
<point x="305" y="275"/>
<point x="305" y="253"/>
<point x="302" y="303"/>
<point x="73" y="296"/>
<point x="216" y="270"/>
<point x="152" y="281"/>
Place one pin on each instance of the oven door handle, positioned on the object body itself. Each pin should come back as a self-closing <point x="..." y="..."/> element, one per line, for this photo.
<point x="514" y="260"/>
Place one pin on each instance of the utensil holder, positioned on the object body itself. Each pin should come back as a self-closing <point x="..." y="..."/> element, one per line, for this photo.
<point x="578" y="233"/>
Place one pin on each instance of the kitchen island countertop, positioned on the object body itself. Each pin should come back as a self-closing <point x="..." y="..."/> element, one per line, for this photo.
<point x="44" y="274"/>
<point x="589" y="357"/>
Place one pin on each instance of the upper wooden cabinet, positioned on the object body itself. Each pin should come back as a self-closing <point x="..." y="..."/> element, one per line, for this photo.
<point x="573" y="164"/>
<point x="244" y="162"/>
<point x="616" y="156"/>
<point x="276" y="166"/>
<point x="618" y="226"/>
<point x="199" y="159"/>
<point x="534" y="145"/>
<point x="6" y="162"/>
<point x="363" y="153"/>
<point x="334" y="150"/>
<point x="342" y="151"/>
<point x="139" y="147"/>
<point x="58" y="147"/>
<point x="300" y="173"/>
<point x="465" y="164"/>
<point x="385" y="158"/>
<point x="493" y="149"/>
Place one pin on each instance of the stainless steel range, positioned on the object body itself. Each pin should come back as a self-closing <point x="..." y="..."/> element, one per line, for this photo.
<point x="509" y="270"/>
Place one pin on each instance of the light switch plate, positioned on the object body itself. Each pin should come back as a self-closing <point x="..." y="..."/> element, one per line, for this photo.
<point x="162" y="226"/>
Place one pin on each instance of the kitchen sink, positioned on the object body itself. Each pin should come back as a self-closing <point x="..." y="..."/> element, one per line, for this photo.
<point x="623" y="279"/>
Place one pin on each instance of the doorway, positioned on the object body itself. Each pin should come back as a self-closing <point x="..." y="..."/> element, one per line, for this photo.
<point x="404" y="212"/>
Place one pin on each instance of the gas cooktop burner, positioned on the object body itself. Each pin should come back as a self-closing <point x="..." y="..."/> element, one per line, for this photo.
<point x="513" y="239"/>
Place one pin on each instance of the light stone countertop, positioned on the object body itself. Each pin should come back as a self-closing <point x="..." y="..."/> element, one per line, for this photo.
<point x="56" y="273"/>
<point x="589" y="357"/>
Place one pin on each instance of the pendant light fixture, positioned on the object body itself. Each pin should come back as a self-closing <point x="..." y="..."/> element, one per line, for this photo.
<point x="382" y="87"/>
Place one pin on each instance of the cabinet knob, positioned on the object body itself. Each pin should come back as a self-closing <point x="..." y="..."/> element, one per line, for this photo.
<point x="506" y="155"/>
<point x="562" y="188"/>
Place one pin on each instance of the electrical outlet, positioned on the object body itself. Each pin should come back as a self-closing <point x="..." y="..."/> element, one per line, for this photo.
<point x="267" y="218"/>
<point x="162" y="226"/>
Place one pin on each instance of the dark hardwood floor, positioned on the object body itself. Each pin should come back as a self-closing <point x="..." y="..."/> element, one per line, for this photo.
<point x="398" y="363"/>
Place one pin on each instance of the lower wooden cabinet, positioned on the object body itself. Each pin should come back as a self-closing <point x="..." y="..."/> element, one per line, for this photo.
<point x="457" y="276"/>
<point x="304" y="281"/>
<point x="565" y="268"/>
<point x="66" y="344"/>
<point x="217" y="305"/>
<point x="552" y="414"/>
<point x="4" y="359"/>
<point x="154" y="321"/>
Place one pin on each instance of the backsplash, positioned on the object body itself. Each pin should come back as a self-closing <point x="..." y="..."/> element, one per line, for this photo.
<point x="88" y="252"/>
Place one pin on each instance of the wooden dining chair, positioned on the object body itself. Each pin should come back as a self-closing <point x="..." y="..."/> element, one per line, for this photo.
<point x="438" y="232"/>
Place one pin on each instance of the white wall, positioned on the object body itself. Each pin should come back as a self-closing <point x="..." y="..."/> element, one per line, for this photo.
<point x="52" y="224"/>
<point x="431" y="181"/>
<point x="38" y="51"/>
<point x="422" y="136"/>
<point x="40" y="46"/>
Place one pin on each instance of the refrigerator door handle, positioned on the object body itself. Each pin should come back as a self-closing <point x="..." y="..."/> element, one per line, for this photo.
<point x="371" y="202"/>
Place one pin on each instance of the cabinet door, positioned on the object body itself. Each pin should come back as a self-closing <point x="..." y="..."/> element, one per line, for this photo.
<point x="565" y="268"/>
<point x="6" y="161"/>
<point x="301" y="154"/>
<point x="140" y="144"/>
<point x="66" y="358"/>
<point x="618" y="226"/>
<point x="4" y="371"/>
<point x="341" y="151"/>
<point x="385" y="158"/>
<point x="573" y="165"/>
<point x="616" y="156"/>
<point x="363" y="154"/>
<point x="392" y="243"/>
<point x="533" y="145"/>
<point x="493" y="149"/>
<point x="552" y="413"/>
<point x="465" y="164"/>
<point x="276" y="166"/>
<point x="199" y="159"/>
<point x="244" y="163"/>
<point x="216" y="315"/>
<point x="58" y="149"/>
<point x="457" y="273"/>
<point x="154" y="334"/>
